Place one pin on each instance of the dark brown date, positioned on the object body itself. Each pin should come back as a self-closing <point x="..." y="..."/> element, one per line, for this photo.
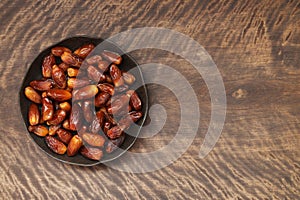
<point x="101" y="99"/>
<point x="106" y="87"/>
<point x="103" y="65"/>
<point x="58" y="51"/>
<point x="115" y="132"/>
<point x="135" y="101"/>
<point x="112" y="145"/>
<point x="71" y="59"/>
<point x="109" y="118"/>
<point x="116" y="75"/>
<point x="130" y="118"/>
<point x="94" y="59"/>
<point x="98" y="122"/>
<point x="59" y="77"/>
<point x="86" y="92"/>
<point x="112" y="57"/>
<point x="41" y="85"/>
<point x="76" y="117"/>
<point x="117" y="104"/>
<point x="91" y="152"/>
<point x="93" y="139"/>
<point x="55" y="145"/>
<point x="58" y="117"/>
<point x="64" y="66"/>
<point x="64" y="136"/>
<point x="84" y="51"/>
<point x="82" y="102"/>
<point x="48" y="62"/>
<point x="87" y="108"/>
<point x="95" y="75"/>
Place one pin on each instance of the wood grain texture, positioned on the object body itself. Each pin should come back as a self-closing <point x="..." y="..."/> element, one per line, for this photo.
<point x="256" y="46"/>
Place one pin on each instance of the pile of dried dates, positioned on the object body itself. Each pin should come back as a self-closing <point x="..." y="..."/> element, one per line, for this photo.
<point x="83" y="104"/>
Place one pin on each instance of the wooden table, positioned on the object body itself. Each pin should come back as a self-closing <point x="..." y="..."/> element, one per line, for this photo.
<point x="256" y="47"/>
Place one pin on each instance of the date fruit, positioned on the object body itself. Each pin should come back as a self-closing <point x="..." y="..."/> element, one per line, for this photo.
<point x="39" y="130"/>
<point x="48" y="62"/>
<point x="74" y="145"/>
<point x="41" y="85"/>
<point x="55" y="145"/>
<point x="32" y="95"/>
<point x="33" y="114"/>
<point x="84" y="51"/>
<point x="93" y="139"/>
<point x="71" y="59"/>
<point x="64" y="136"/>
<point x="91" y="153"/>
<point x="112" y="57"/>
<point x="59" y="94"/>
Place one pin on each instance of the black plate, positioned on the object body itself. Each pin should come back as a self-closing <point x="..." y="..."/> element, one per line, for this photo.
<point x="34" y="73"/>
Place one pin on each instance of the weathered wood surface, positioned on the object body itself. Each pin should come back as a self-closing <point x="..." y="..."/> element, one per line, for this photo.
<point x="256" y="46"/>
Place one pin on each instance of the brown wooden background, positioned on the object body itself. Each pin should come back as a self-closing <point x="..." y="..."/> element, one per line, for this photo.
<point x="256" y="46"/>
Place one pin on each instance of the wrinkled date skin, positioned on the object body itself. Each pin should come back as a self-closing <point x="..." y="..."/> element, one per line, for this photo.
<point x="48" y="62"/>
<point x="93" y="139"/>
<point x="94" y="59"/>
<point x="106" y="87"/>
<point x="59" y="77"/>
<point x="116" y="75"/>
<point x="58" y="117"/>
<point x="112" y="145"/>
<point x="41" y="85"/>
<point x="95" y="74"/>
<point x="118" y="104"/>
<point x="101" y="99"/>
<point x="64" y="136"/>
<point x="87" y="108"/>
<point x="115" y="132"/>
<point x="98" y="122"/>
<point x="71" y="59"/>
<point x="84" y="50"/>
<point x="135" y="101"/>
<point x="84" y="102"/>
<point x="76" y="117"/>
<point x="55" y="145"/>
<point x="91" y="152"/>
<point x="112" y="57"/>
<point x="58" y="51"/>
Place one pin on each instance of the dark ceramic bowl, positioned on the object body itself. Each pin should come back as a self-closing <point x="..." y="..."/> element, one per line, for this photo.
<point x="34" y="73"/>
